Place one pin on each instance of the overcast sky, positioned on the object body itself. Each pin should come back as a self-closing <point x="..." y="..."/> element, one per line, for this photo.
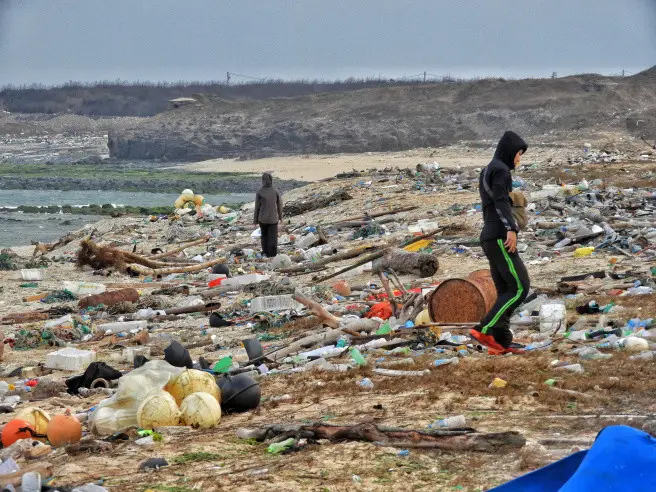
<point x="54" y="41"/>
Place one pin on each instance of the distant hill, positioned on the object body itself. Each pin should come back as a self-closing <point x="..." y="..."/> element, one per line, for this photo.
<point x="392" y="118"/>
<point x="123" y="99"/>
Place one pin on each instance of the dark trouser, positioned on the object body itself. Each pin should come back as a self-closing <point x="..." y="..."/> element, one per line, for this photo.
<point x="512" y="283"/>
<point x="269" y="239"/>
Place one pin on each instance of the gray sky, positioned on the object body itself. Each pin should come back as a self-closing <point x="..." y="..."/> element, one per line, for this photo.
<point x="54" y="41"/>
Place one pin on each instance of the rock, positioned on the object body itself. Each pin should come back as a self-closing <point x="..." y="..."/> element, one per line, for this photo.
<point x="533" y="456"/>
<point x="650" y="427"/>
<point x="153" y="464"/>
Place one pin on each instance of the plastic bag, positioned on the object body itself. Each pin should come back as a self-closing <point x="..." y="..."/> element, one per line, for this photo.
<point x="119" y="412"/>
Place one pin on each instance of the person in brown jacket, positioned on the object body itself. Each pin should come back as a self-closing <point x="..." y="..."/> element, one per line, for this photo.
<point x="268" y="213"/>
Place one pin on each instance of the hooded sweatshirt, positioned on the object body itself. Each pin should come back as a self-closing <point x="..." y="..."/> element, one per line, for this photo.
<point x="268" y="204"/>
<point x="495" y="183"/>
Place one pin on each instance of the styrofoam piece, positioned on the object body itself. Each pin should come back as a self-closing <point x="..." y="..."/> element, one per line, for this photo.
<point x="70" y="359"/>
<point x="32" y="274"/>
<point x="274" y="303"/>
<point x="84" y="288"/>
<point x="123" y="326"/>
<point x="251" y="278"/>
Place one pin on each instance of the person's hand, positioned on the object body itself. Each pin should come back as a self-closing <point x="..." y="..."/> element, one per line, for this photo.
<point x="511" y="242"/>
<point x="281" y="223"/>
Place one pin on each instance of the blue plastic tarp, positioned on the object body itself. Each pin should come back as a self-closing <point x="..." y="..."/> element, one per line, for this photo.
<point x="622" y="459"/>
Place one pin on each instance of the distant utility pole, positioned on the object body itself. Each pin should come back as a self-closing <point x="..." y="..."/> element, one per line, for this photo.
<point x="554" y="75"/>
<point x="622" y="72"/>
<point x="227" y="78"/>
<point x="424" y="76"/>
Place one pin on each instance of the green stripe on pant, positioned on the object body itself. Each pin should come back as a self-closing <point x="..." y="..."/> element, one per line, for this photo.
<point x="520" y="289"/>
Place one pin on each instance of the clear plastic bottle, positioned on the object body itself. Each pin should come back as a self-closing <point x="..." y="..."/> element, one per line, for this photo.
<point x="561" y="244"/>
<point x="542" y="344"/>
<point x="580" y="324"/>
<point x="457" y="422"/>
<point x="591" y="353"/>
<point x="444" y="362"/>
<point x="5" y="387"/>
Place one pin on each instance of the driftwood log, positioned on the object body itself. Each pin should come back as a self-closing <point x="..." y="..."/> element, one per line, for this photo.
<point x="310" y="203"/>
<point x="412" y="307"/>
<point x="101" y="257"/>
<point x="180" y="249"/>
<point x="27" y="317"/>
<point x="155" y="272"/>
<point x="320" y="264"/>
<point x="336" y="328"/>
<point x="372" y="257"/>
<point x="465" y="439"/>
<point x="420" y="264"/>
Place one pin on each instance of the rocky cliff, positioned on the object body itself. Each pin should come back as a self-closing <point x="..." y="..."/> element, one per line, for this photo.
<point x="392" y="118"/>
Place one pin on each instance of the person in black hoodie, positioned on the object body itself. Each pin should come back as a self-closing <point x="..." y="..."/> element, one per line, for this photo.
<point x="499" y="243"/>
<point x="268" y="213"/>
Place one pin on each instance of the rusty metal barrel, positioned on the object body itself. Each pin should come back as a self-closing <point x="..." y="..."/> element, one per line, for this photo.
<point x="463" y="300"/>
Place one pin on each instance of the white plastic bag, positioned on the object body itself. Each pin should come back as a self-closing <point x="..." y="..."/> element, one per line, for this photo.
<point x="119" y="412"/>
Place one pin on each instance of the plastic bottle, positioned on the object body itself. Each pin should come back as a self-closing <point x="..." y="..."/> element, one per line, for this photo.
<point x="444" y="362"/>
<point x="578" y="368"/>
<point x="63" y="322"/>
<point x="456" y="422"/>
<point x="5" y="387"/>
<point x="145" y="314"/>
<point x="576" y="336"/>
<point x="357" y="356"/>
<point x="539" y="345"/>
<point x="279" y="447"/>
<point x="591" y="353"/>
<point x="561" y="244"/>
<point x="580" y="324"/>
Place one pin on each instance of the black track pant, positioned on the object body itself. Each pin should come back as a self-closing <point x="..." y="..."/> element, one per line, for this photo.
<point x="269" y="239"/>
<point x="512" y="283"/>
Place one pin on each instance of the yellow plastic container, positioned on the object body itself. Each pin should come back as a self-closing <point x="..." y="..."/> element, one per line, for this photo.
<point x="581" y="252"/>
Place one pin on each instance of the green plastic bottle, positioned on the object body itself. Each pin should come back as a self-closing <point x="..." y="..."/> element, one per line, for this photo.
<point x="279" y="447"/>
<point x="357" y="357"/>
